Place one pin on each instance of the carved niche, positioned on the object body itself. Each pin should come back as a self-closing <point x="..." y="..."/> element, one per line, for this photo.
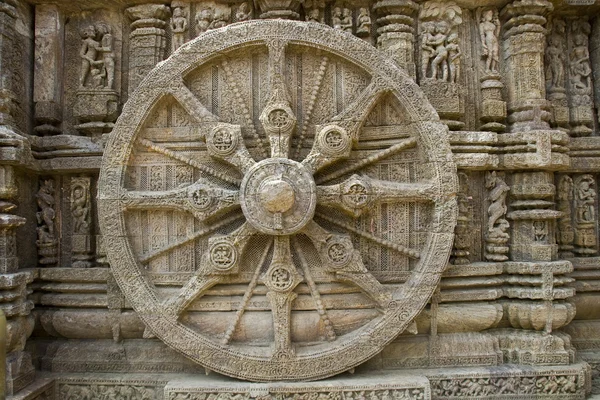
<point x="273" y="233"/>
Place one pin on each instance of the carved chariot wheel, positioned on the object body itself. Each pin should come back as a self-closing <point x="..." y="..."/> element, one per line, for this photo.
<point x="277" y="200"/>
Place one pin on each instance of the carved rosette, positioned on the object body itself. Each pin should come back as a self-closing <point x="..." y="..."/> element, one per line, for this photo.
<point x="285" y="228"/>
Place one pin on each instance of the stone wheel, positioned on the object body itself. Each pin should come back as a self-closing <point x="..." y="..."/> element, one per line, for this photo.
<point x="243" y="217"/>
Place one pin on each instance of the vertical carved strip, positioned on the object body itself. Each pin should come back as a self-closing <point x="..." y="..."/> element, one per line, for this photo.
<point x="496" y="236"/>
<point x="580" y="78"/>
<point x="585" y="210"/>
<point x="81" y="208"/>
<point x="47" y="242"/>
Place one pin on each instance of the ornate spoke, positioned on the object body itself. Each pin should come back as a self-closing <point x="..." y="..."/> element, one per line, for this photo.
<point x="200" y="199"/>
<point x="372" y="159"/>
<point x="311" y="104"/>
<point x="221" y="259"/>
<point x="196" y="235"/>
<point x="334" y="140"/>
<point x="225" y="142"/>
<point x="247" y="295"/>
<point x="281" y="278"/>
<point x="314" y="292"/>
<point x="192" y="105"/>
<point x="339" y="257"/>
<point x="358" y="193"/>
<point x="277" y="117"/>
<point x="412" y="253"/>
<point x="193" y="163"/>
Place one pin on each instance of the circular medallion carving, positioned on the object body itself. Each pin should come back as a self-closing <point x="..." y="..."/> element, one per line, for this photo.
<point x="290" y="204"/>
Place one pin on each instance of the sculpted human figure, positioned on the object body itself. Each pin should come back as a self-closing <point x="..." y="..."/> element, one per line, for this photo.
<point x="178" y="27"/>
<point x="489" y="30"/>
<point x="555" y="59"/>
<point x="220" y="20"/>
<point x="347" y="20"/>
<point x="497" y="197"/>
<point x="88" y="53"/>
<point x="454" y="54"/>
<point x="441" y="52"/>
<point x="427" y="50"/>
<point x="336" y="18"/>
<point x="313" y="15"/>
<point x="580" y="63"/>
<point x="363" y="22"/>
<point x="107" y="54"/>
<point x="243" y="12"/>
<point x="46" y="215"/>
<point x="80" y="209"/>
<point x="203" y="20"/>
<point x="585" y="199"/>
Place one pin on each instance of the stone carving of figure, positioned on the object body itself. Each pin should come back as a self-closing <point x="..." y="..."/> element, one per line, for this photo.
<point x="580" y="63"/>
<point x="585" y="196"/>
<point x="489" y="31"/>
<point x="178" y="27"/>
<point x="427" y="51"/>
<point x="441" y="52"/>
<point x="336" y="18"/>
<point x="453" y="57"/>
<point x="46" y="215"/>
<point x="363" y="22"/>
<point x="243" y="12"/>
<point x="203" y="20"/>
<point x="540" y="231"/>
<point x="497" y="208"/>
<point x="88" y="53"/>
<point x="107" y="53"/>
<point x="555" y="55"/>
<point x="220" y="19"/>
<point x="80" y="209"/>
<point x="347" y="20"/>
<point x="313" y="15"/>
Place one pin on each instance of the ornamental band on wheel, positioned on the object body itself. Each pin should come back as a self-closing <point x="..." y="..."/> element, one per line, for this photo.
<point x="301" y="165"/>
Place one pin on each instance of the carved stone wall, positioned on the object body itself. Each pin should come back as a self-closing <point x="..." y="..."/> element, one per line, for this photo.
<point x="399" y="196"/>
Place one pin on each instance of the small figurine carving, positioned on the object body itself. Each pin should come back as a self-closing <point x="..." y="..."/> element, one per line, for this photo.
<point x="489" y="31"/>
<point x="88" y="53"/>
<point x="585" y="197"/>
<point x="540" y="231"/>
<point x="107" y="53"/>
<point x="555" y="55"/>
<point x="427" y="51"/>
<point x="179" y="27"/>
<point x="313" y="15"/>
<point x="580" y="63"/>
<point x="336" y="18"/>
<point x="243" y="12"/>
<point x="363" y="22"/>
<point x="497" y="228"/>
<point x="203" y="20"/>
<point x="80" y="209"/>
<point x="220" y="19"/>
<point x="565" y="234"/>
<point x="346" y="23"/>
<point x="441" y="52"/>
<point x="46" y="230"/>
<point x="454" y="54"/>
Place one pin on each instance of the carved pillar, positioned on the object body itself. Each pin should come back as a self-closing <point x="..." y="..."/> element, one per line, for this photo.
<point x="147" y="40"/>
<point x="580" y="78"/>
<point x="493" y="106"/>
<point x="48" y="79"/>
<point x="396" y="33"/>
<point x="524" y="41"/>
<point x="440" y="60"/>
<point x="81" y="209"/>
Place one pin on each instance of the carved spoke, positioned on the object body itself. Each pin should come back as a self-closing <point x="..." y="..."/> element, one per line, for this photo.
<point x="339" y="257"/>
<point x="358" y="193"/>
<point x="225" y="142"/>
<point x="281" y="278"/>
<point x="196" y="164"/>
<point x="412" y="253"/>
<point x="200" y="199"/>
<point x="372" y="159"/>
<point x="247" y="295"/>
<point x="192" y="105"/>
<point x="277" y="117"/>
<point x="334" y="140"/>
<point x="220" y="260"/>
<point x="196" y="235"/>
